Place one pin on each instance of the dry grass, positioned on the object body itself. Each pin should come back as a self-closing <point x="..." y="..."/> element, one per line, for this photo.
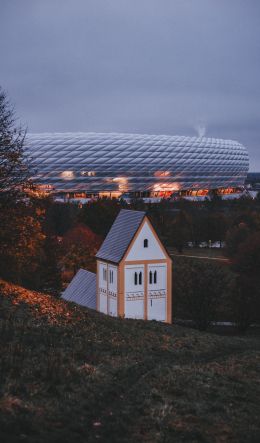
<point x="68" y="374"/>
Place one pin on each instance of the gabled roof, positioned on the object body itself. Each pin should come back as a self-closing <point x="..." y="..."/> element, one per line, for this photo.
<point x="82" y="289"/>
<point x="120" y="235"/>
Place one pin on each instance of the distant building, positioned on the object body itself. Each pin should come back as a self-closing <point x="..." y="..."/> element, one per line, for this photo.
<point x="134" y="273"/>
<point x="84" y="165"/>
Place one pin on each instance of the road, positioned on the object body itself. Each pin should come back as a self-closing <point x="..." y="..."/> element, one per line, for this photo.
<point x="200" y="256"/>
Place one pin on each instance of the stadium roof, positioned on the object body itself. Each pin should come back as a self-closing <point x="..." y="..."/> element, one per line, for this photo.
<point x="98" y="162"/>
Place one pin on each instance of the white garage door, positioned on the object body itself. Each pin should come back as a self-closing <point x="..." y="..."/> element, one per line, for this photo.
<point x="134" y="291"/>
<point x="156" y="300"/>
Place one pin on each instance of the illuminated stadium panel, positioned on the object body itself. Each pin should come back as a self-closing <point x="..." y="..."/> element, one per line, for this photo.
<point x="97" y="162"/>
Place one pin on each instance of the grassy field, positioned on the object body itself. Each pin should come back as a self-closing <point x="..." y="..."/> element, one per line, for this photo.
<point x="72" y="375"/>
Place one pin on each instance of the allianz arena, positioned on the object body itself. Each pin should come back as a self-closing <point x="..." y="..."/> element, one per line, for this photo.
<point x="101" y="164"/>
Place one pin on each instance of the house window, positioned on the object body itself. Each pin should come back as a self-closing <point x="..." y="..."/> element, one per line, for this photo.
<point x="104" y="274"/>
<point x="155" y="277"/>
<point x="150" y="277"/>
<point x="111" y="276"/>
<point x="145" y="243"/>
<point x="138" y="278"/>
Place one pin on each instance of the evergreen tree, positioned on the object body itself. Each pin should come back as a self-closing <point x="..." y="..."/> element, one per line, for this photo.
<point x="246" y="295"/>
<point x="198" y="291"/>
<point x="180" y="231"/>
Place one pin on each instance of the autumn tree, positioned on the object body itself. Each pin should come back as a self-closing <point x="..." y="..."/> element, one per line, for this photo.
<point x="79" y="246"/>
<point x="20" y="232"/>
<point x="21" y="240"/>
<point x="27" y="254"/>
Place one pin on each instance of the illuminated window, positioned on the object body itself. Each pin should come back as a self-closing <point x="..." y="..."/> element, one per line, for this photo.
<point x="88" y="173"/>
<point x="145" y="243"/>
<point x="67" y="175"/>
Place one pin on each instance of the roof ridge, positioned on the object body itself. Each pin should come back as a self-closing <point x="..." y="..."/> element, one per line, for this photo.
<point x="86" y="270"/>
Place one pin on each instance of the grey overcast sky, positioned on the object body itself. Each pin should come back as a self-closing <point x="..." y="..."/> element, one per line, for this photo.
<point x="148" y="66"/>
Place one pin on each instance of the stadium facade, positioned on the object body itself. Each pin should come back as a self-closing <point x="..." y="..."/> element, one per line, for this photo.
<point x="113" y="164"/>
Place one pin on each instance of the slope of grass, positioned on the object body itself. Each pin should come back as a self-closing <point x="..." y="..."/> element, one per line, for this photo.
<point x="68" y="374"/>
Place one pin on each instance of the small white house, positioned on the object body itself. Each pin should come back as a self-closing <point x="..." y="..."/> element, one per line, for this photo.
<point x="134" y="271"/>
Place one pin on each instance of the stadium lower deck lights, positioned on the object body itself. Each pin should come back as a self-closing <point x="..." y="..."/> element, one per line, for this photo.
<point x="112" y="164"/>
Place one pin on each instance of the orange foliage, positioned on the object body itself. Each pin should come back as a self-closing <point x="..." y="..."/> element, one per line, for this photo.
<point x="80" y="246"/>
<point x="82" y="236"/>
<point x="56" y="310"/>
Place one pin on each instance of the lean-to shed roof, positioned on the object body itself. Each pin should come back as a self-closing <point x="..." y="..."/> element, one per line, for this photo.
<point x="82" y="289"/>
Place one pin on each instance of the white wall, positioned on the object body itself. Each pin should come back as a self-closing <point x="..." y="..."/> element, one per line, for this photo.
<point x="107" y="288"/>
<point x="134" y="294"/>
<point x="102" y="287"/>
<point x="152" y="252"/>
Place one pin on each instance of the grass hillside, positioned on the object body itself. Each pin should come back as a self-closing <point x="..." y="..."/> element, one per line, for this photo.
<point x="68" y="374"/>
